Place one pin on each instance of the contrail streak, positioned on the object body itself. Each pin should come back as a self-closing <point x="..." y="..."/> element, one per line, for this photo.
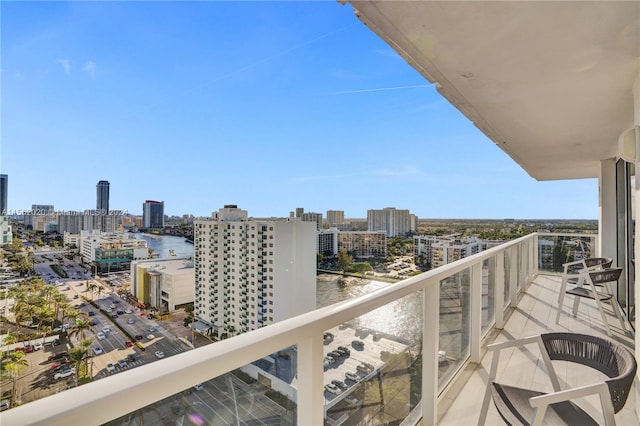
<point x="381" y="89"/>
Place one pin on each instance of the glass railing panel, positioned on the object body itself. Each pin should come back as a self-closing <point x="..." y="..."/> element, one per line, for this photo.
<point x="554" y="250"/>
<point x="372" y="372"/>
<point x="455" y="324"/>
<point x="238" y="397"/>
<point x="488" y="294"/>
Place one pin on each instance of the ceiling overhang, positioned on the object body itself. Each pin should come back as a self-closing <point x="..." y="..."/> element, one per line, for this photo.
<point x="549" y="82"/>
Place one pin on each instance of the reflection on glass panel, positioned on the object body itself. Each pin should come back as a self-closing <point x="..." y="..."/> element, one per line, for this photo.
<point x="372" y="365"/>
<point x="455" y="303"/>
<point x="553" y="251"/>
<point x="488" y="293"/>
<point x="234" y="398"/>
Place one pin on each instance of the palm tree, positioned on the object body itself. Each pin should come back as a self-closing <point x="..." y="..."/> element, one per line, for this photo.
<point x="79" y="356"/>
<point x="59" y="301"/>
<point x="12" y="364"/>
<point x="81" y="329"/>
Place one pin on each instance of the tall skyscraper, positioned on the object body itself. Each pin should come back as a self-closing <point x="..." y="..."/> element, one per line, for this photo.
<point x="4" y="185"/>
<point x="252" y="273"/>
<point x="102" y="196"/>
<point x="153" y="214"/>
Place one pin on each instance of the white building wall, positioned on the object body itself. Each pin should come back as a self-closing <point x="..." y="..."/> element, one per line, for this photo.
<point x="294" y="264"/>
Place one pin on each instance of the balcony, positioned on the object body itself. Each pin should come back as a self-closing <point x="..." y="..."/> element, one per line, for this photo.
<point x="503" y="293"/>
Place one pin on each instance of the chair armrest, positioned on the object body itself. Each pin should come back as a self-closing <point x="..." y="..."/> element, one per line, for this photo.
<point x="575" y="262"/>
<point x="569" y="394"/>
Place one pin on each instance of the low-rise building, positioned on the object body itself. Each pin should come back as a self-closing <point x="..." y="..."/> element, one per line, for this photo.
<point x="165" y="284"/>
<point x="111" y="251"/>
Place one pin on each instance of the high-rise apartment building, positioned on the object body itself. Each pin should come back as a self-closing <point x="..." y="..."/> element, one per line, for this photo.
<point x="153" y="214"/>
<point x="4" y="187"/>
<point x="313" y="217"/>
<point x="102" y="205"/>
<point x="391" y="220"/>
<point x="335" y="218"/>
<point x="252" y="273"/>
<point x="102" y="196"/>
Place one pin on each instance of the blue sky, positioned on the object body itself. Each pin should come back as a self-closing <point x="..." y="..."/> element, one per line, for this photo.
<point x="268" y="105"/>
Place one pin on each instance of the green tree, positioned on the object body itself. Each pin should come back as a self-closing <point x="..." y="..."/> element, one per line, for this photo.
<point x="11" y="365"/>
<point x="344" y="260"/>
<point x="81" y="328"/>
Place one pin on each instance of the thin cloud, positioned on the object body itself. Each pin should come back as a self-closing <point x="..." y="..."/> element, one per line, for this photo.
<point x="66" y="65"/>
<point x="381" y="89"/>
<point x="399" y="172"/>
<point x="90" y="68"/>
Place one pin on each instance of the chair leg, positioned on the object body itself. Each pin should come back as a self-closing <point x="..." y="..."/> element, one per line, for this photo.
<point x="563" y="291"/>
<point x="602" y="314"/>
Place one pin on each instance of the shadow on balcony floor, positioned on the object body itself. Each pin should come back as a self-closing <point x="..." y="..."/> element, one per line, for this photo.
<point x="535" y="314"/>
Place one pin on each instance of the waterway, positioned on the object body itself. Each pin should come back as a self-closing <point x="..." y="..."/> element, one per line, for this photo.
<point x="164" y="245"/>
<point x="400" y="318"/>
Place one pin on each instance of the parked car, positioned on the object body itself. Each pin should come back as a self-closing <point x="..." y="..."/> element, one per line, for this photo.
<point x="331" y="388"/>
<point x="159" y="354"/>
<point x="357" y="344"/>
<point x="122" y="363"/>
<point x="128" y="343"/>
<point x="139" y="337"/>
<point x="101" y="336"/>
<point x="352" y="376"/>
<point x="111" y="368"/>
<point x="150" y="336"/>
<point x="62" y="374"/>
<point x="344" y="349"/>
<point x="59" y="355"/>
<point x="339" y="383"/>
<point x="98" y="350"/>
<point x="198" y="387"/>
<point x="5" y="404"/>
<point x="130" y="321"/>
<point x="91" y="313"/>
<point x="152" y="329"/>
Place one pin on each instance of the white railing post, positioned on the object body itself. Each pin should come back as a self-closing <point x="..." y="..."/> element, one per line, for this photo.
<point x="476" y="312"/>
<point x="536" y="255"/>
<point x="513" y="276"/>
<point x="310" y="380"/>
<point x="430" y="348"/>
<point x="499" y="296"/>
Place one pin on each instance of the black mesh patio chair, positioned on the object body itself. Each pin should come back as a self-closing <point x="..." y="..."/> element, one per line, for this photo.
<point x="594" y="285"/>
<point x="572" y="270"/>
<point x="518" y="406"/>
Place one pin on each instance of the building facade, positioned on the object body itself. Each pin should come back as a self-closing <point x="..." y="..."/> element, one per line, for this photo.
<point x="363" y="244"/>
<point x="164" y="284"/>
<point x="334" y="218"/>
<point x="252" y="273"/>
<point x="109" y="252"/>
<point x="328" y="242"/>
<point x="153" y="214"/>
<point x="6" y="236"/>
<point x="4" y="195"/>
<point x="391" y="220"/>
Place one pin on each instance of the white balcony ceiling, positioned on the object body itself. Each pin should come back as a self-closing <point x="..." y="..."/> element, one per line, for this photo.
<point x="549" y="82"/>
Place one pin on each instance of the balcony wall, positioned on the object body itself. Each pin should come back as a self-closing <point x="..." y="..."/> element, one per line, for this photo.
<point x="457" y="305"/>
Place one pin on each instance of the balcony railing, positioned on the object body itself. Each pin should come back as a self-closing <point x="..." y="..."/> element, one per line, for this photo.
<point x="457" y="305"/>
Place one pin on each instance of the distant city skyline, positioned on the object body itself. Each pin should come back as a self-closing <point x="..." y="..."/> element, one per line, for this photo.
<point x="268" y="105"/>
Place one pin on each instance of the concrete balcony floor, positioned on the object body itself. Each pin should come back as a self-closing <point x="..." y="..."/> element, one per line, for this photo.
<point x="535" y="314"/>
